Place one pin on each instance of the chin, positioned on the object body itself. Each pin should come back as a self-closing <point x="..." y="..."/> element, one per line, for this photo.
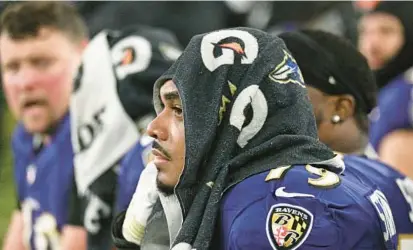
<point x="374" y="68"/>
<point x="376" y="65"/>
<point x="35" y="127"/>
<point x="164" y="188"/>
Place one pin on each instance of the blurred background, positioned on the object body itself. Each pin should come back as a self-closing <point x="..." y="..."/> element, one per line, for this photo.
<point x="186" y="19"/>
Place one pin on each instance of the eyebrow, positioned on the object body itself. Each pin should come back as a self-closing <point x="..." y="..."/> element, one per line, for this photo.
<point x="170" y="96"/>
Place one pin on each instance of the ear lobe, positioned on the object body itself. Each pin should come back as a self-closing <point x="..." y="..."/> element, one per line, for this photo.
<point x="345" y="107"/>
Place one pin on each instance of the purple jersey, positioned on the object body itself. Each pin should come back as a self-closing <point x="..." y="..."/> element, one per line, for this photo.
<point x="43" y="182"/>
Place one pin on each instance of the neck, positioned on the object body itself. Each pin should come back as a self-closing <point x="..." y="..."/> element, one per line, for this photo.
<point x="360" y="144"/>
<point x="45" y="137"/>
<point x="42" y="138"/>
<point x="350" y="141"/>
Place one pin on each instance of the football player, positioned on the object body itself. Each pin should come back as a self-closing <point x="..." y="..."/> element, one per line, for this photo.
<point x="343" y="92"/>
<point x="238" y="164"/>
<point x="386" y="39"/>
<point x="41" y="45"/>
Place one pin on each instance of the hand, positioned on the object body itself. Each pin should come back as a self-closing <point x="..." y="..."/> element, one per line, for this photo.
<point x="140" y="208"/>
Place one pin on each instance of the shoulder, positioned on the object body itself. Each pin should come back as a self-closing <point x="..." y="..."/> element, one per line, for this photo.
<point x="299" y="205"/>
<point x="394" y="185"/>
<point x="318" y="183"/>
<point x="370" y="167"/>
<point x="400" y="87"/>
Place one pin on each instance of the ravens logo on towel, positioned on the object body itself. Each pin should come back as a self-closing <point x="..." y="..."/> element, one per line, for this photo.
<point x="287" y="71"/>
<point x="288" y="226"/>
<point x="228" y="47"/>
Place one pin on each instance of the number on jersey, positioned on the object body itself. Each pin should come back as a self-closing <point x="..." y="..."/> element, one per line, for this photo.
<point x="379" y="201"/>
<point x="327" y="179"/>
<point x="43" y="228"/>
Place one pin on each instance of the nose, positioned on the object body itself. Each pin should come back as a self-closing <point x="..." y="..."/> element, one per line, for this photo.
<point x="157" y="129"/>
<point x="372" y="40"/>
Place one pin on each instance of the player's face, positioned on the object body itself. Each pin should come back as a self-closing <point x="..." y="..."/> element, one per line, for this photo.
<point x="381" y="36"/>
<point x="38" y="75"/>
<point x="169" y="133"/>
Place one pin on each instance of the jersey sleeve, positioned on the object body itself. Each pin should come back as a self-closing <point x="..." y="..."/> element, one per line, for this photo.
<point x="394" y="111"/>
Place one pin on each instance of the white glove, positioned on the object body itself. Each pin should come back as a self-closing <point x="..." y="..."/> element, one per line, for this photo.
<point x="140" y="208"/>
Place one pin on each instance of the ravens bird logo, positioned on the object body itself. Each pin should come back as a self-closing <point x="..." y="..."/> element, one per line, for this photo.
<point x="287" y="71"/>
<point x="232" y="43"/>
<point x="228" y="47"/>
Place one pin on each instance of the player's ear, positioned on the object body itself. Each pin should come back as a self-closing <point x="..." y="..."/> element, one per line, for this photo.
<point x="344" y="108"/>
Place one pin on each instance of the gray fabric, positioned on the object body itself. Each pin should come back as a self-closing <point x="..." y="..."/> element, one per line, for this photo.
<point x="156" y="235"/>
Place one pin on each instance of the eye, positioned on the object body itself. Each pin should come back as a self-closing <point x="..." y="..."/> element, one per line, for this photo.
<point x="177" y="111"/>
<point x="11" y="67"/>
<point x="42" y="63"/>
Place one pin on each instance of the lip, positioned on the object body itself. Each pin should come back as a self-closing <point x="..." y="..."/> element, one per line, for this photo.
<point x="32" y="109"/>
<point x="159" y="156"/>
<point x="27" y="104"/>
